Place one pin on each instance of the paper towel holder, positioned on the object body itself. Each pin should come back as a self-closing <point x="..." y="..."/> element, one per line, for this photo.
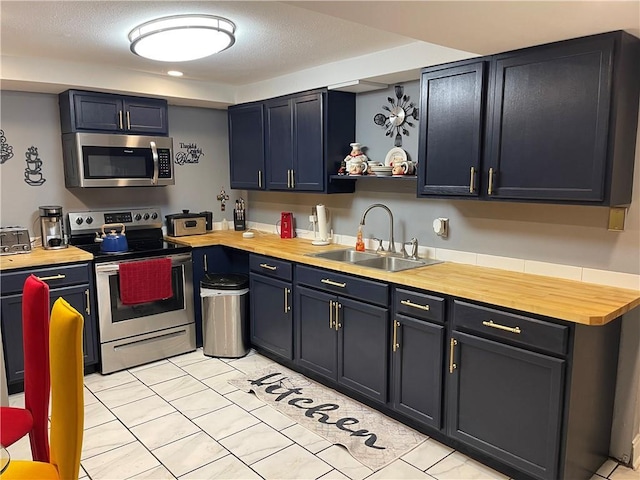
<point x="323" y="215"/>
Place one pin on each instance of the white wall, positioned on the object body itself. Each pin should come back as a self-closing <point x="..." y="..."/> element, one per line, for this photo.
<point x="32" y="119"/>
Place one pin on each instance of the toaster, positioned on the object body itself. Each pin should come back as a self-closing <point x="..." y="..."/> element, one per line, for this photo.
<point x="185" y="223"/>
<point x="14" y="240"/>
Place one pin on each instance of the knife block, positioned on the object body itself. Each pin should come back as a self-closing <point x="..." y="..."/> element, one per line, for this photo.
<point x="239" y="224"/>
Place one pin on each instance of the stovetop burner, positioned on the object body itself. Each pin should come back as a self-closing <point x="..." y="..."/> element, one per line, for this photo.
<point x="142" y="229"/>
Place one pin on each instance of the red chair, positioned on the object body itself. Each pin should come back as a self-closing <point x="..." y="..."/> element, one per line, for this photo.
<point x="33" y="419"/>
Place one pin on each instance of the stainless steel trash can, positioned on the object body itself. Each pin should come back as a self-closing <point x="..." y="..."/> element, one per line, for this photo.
<point x="225" y="330"/>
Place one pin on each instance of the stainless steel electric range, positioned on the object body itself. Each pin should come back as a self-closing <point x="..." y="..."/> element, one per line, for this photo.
<point x="132" y="335"/>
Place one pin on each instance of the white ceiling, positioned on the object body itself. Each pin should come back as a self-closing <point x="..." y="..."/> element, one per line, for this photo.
<point x="280" y="47"/>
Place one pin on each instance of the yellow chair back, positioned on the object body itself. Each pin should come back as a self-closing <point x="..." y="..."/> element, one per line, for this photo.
<point x="67" y="400"/>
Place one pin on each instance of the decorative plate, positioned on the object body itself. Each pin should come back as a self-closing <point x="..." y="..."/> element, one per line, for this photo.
<point x="395" y="154"/>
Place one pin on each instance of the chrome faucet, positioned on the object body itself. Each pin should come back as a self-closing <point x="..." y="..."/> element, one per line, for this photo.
<point x="392" y="243"/>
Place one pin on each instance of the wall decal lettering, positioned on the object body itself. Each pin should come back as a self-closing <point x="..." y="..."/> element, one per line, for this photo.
<point x="190" y="154"/>
<point x="33" y="172"/>
<point x="6" y="150"/>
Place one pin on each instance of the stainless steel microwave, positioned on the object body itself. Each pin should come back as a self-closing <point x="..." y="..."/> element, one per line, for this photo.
<point x="108" y="160"/>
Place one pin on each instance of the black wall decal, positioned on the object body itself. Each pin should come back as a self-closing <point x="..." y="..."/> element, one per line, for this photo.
<point x="190" y="153"/>
<point x="33" y="172"/>
<point x="6" y="150"/>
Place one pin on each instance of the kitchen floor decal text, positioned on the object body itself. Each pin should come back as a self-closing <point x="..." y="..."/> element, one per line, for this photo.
<point x="272" y="384"/>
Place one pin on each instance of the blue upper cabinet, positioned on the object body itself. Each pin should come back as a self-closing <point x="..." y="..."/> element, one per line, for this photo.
<point x="559" y="126"/>
<point x="306" y="136"/>
<point x="107" y="113"/>
<point x="246" y="146"/>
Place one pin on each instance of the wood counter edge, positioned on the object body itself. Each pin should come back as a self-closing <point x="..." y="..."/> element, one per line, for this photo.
<point x="235" y="240"/>
<point x="41" y="257"/>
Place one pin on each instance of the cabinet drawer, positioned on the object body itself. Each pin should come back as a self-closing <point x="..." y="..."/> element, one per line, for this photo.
<point x="419" y="305"/>
<point x="60" y="276"/>
<point x="271" y="267"/>
<point x="366" y="290"/>
<point x="525" y="331"/>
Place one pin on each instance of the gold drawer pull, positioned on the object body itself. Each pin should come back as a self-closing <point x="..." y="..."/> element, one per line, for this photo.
<point x="490" y="189"/>
<point x="472" y="180"/>
<point x="331" y="314"/>
<point x="60" y="276"/>
<point x="268" y="267"/>
<point x="396" y="345"/>
<point x="452" y="366"/>
<point x="409" y="303"/>
<point x="337" y="323"/>
<point x="88" y="308"/>
<point x="335" y="284"/>
<point x="286" y="300"/>
<point x="501" y="327"/>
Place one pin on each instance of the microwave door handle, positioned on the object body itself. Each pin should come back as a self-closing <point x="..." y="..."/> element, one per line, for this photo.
<point x="154" y="154"/>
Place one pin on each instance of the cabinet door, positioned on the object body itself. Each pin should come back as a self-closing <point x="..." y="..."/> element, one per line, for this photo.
<point x="308" y="144"/>
<point x="363" y="347"/>
<point x="417" y="370"/>
<point x="246" y="147"/>
<point x="271" y="320"/>
<point x="79" y="298"/>
<point x="506" y="402"/>
<point x="316" y="335"/>
<point x="279" y="141"/>
<point x="145" y="116"/>
<point x="12" y="337"/>
<point x="98" y="112"/>
<point x="549" y="121"/>
<point x="451" y="119"/>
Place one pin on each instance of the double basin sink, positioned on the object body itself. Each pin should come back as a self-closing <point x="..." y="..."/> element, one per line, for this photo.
<point x="387" y="262"/>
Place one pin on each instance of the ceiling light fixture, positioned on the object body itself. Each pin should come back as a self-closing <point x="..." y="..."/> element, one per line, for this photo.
<point x="175" y="73"/>
<point x="180" y="38"/>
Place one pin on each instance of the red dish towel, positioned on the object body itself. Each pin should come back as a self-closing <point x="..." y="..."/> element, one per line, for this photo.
<point x="145" y="281"/>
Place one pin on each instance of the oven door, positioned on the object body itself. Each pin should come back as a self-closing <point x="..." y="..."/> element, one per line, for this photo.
<point x="118" y="321"/>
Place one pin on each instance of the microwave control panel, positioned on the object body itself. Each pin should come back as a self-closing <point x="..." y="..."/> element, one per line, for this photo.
<point x="164" y="163"/>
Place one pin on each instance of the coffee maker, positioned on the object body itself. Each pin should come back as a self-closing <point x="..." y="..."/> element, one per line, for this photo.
<point x="52" y="227"/>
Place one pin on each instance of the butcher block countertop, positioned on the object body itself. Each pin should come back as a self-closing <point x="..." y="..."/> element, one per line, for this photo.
<point x="570" y="300"/>
<point x="39" y="257"/>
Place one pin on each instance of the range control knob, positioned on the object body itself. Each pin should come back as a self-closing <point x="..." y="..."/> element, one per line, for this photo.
<point x="89" y="220"/>
<point x="138" y="217"/>
<point x="79" y="220"/>
<point x="146" y="216"/>
<point x="5" y="249"/>
<point x="154" y="215"/>
<point x="25" y="247"/>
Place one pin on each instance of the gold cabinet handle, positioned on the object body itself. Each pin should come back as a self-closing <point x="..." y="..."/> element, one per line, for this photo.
<point x="409" y="303"/>
<point x="336" y="322"/>
<point x="472" y="181"/>
<point x="501" y="327"/>
<point x="490" y="189"/>
<point x="59" y="276"/>
<point x="288" y="178"/>
<point x="293" y="178"/>
<point x="268" y="267"/>
<point x="335" y="284"/>
<point x="88" y="309"/>
<point x="330" y="313"/>
<point x="452" y="366"/>
<point x="120" y="126"/>
<point x="286" y="300"/>
<point x="396" y="345"/>
<point x="206" y="267"/>
<point x="128" y="121"/>
<point x="259" y="178"/>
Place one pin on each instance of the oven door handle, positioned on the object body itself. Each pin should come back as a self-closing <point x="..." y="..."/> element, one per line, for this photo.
<point x="156" y="168"/>
<point x="109" y="269"/>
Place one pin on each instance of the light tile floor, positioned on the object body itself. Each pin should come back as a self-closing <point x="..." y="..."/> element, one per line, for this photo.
<point x="180" y="418"/>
